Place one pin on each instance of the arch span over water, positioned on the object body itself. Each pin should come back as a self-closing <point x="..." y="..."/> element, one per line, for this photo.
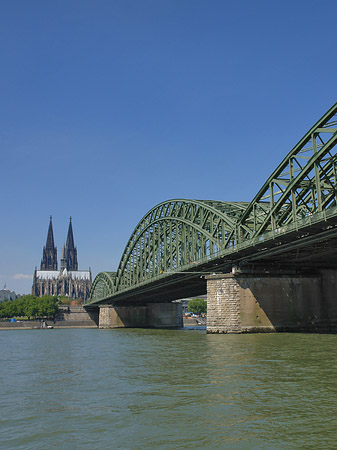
<point x="179" y="234"/>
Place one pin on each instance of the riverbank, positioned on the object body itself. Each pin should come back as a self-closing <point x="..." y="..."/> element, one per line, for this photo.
<point x="67" y="317"/>
<point x="35" y="324"/>
<point x="47" y="324"/>
<point x="193" y="322"/>
<point x="75" y="317"/>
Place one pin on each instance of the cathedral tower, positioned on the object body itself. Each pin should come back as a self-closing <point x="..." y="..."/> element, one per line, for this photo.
<point x="71" y="251"/>
<point x="69" y="281"/>
<point x="49" y="255"/>
<point x="63" y="258"/>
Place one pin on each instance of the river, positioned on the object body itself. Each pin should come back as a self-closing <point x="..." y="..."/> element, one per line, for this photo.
<point x="127" y="389"/>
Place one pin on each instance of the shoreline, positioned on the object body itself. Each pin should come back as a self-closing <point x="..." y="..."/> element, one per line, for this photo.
<point x="59" y="324"/>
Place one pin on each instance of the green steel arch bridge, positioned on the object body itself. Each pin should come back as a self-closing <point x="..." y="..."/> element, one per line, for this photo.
<point x="290" y="225"/>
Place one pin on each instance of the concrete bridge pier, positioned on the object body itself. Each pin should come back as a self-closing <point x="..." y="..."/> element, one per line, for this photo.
<point x="243" y="303"/>
<point x="151" y="315"/>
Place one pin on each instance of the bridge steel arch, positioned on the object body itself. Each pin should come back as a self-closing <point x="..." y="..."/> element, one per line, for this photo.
<point x="103" y="285"/>
<point x="302" y="185"/>
<point x="178" y="234"/>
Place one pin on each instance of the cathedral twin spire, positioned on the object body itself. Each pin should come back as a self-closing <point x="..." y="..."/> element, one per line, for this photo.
<point x="49" y="255"/>
<point x="69" y="252"/>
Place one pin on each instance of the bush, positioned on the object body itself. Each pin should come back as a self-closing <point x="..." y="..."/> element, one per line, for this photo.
<point x="30" y="306"/>
<point x="197" y="306"/>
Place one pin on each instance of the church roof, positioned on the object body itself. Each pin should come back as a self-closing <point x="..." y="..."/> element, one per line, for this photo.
<point x="47" y="274"/>
<point x="77" y="274"/>
<point x="81" y="274"/>
<point x="54" y="274"/>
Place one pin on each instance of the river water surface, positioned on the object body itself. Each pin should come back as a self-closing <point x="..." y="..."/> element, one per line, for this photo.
<point x="160" y="389"/>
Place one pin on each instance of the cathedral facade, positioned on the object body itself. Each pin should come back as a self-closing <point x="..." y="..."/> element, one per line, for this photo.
<point x="68" y="281"/>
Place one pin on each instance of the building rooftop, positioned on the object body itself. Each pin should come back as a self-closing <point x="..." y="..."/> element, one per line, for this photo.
<point x="54" y="274"/>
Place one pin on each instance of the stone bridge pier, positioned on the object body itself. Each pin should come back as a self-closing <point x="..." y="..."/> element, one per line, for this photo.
<point x="151" y="315"/>
<point x="243" y="303"/>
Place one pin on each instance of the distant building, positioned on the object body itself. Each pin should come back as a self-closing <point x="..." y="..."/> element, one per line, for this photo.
<point x="68" y="281"/>
<point x="185" y="301"/>
<point x="5" y="295"/>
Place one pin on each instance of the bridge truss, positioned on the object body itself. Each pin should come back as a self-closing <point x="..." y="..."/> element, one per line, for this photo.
<point x="293" y="213"/>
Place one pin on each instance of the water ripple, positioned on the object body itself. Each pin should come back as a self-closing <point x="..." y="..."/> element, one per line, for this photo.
<point x="160" y="389"/>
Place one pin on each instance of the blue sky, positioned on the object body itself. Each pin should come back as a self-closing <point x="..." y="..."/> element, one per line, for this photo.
<point x="109" y="107"/>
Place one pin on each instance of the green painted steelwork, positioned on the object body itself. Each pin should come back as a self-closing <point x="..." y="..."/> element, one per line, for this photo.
<point x="178" y="235"/>
<point x="173" y="235"/>
<point x="302" y="185"/>
<point x="103" y="285"/>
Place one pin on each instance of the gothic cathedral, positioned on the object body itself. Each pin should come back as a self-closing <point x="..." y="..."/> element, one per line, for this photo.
<point x="68" y="281"/>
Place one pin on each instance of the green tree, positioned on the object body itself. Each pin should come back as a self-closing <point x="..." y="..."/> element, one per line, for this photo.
<point x="23" y="305"/>
<point x="7" y="309"/>
<point x="19" y="307"/>
<point x="31" y="308"/>
<point x="48" y="306"/>
<point x="65" y="300"/>
<point x="197" y="306"/>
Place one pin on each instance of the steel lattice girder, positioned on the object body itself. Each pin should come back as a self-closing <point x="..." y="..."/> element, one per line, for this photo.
<point x="303" y="184"/>
<point x="103" y="285"/>
<point x="177" y="234"/>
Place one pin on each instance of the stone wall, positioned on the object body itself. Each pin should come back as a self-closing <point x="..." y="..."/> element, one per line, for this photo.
<point x="76" y="314"/>
<point x="243" y="303"/>
<point x="164" y="315"/>
<point x="67" y="317"/>
<point x="156" y="315"/>
<point x="24" y="325"/>
<point x="223" y="305"/>
<point x="122" y="316"/>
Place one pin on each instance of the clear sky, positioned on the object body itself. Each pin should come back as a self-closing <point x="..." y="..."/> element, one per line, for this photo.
<point x="109" y="107"/>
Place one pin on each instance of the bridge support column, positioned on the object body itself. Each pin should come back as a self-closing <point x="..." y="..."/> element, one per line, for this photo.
<point x="245" y="303"/>
<point x="122" y="316"/>
<point x="152" y="315"/>
<point x="164" y="315"/>
<point x="223" y="304"/>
